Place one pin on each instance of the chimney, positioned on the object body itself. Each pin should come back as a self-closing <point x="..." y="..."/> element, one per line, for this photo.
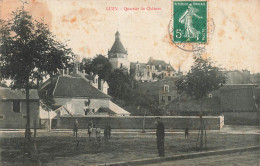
<point x="100" y="84"/>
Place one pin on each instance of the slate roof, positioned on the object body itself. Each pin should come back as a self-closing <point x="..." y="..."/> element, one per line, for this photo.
<point x="117" y="46"/>
<point x="8" y="94"/>
<point x="158" y="63"/>
<point x="74" y="87"/>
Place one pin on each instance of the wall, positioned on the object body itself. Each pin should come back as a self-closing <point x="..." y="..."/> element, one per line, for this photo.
<point x="136" y="122"/>
<point x="116" y="63"/>
<point x="76" y="106"/>
<point x="13" y="120"/>
<point x="241" y="118"/>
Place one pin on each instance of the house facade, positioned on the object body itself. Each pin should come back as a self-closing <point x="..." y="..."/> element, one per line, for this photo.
<point x="81" y="95"/>
<point x="153" y="70"/>
<point x="162" y="91"/>
<point x="13" y="108"/>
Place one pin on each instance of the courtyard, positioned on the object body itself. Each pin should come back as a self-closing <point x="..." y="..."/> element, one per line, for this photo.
<point x="59" y="147"/>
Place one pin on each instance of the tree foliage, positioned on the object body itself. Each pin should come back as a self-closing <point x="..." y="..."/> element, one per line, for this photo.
<point x="29" y="52"/>
<point x="99" y="65"/>
<point x="202" y="78"/>
<point x="121" y="84"/>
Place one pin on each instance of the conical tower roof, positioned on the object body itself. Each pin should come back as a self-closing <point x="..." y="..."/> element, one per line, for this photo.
<point x="117" y="46"/>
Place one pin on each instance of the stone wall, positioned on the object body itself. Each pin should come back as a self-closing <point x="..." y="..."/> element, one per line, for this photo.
<point x="136" y="122"/>
<point x="242" y="118"/>
<point x="17" y="120"/>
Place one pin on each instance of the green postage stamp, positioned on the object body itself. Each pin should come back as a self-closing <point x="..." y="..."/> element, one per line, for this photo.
<point x="190" y="21"/>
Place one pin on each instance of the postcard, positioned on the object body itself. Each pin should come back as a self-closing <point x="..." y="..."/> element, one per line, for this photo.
<point x="129" y="82"/>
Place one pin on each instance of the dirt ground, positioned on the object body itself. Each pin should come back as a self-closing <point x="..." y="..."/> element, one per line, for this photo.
<point x="61" y="148"/>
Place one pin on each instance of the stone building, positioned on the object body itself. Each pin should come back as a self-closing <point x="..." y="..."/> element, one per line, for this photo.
<point x="81" y="95"/>
<point x="117" y="55"/>
<point x="238" y="77"/>
<point x="13" y="108"/>
<point x="153" y="70"/>
<point x="163" y="92"/>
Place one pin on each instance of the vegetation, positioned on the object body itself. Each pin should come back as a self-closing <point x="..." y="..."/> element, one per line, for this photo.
<point x="98" y="65"/>
<point x="202" y="78"/>
<point x="29" y="52"/>
<point x="122" y="86"/>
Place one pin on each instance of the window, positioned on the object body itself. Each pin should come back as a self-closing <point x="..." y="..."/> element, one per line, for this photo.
<point x="121" y="65"/>
<point x="210" y="95"/>
<point x="169" y="98"/>
<point x="169" y="74"/>
<point x="1" y="117"/>
<point x="16" y="106"/>
<point x="148" y="67"/>
<point x="163" y="98"/>
<point x="166" y="88"/>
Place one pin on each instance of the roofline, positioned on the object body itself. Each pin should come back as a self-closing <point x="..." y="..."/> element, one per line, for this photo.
<point x="34" y="100"/>
<point x="82" y="97"/>
<point x="55" y="86"/>
<point x="240" y="85"/>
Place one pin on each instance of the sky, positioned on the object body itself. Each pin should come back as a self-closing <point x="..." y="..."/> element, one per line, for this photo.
<point x="88" y="27"/>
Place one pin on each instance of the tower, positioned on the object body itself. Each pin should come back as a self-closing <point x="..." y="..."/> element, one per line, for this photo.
<point x="117" y="55"/>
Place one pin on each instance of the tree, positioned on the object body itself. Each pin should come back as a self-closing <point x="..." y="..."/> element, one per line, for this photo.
<point x="29" y="52"/>
<point x="86" y="65"/>
<point x="202" y="78"/>
<point x="99" y="65"/>
<point x="121" y="85"/>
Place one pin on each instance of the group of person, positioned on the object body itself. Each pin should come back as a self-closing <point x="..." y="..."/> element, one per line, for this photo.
<point x="96" y="132"/>
<point x="93" y="131"/>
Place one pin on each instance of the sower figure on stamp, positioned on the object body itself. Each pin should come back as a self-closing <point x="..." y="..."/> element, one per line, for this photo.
<point x="186" y="19"/>
<point x="160" y="133"/>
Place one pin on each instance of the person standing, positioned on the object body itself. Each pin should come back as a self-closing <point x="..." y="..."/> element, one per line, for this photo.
<point x="160" y="133"/>
<point x="75" y="128"/>
<point x="186" y="132"/>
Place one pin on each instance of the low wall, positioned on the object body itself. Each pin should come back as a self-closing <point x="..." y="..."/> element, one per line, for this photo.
<point x="241" y="118"/>
<point x="136" y="122"/>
